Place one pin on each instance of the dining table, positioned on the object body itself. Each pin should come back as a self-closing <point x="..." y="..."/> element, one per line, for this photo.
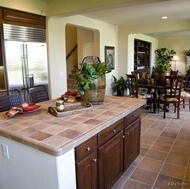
<point x="155" y="88"/>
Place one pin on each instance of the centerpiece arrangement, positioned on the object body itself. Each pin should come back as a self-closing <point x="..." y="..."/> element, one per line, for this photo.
<point x="91" y="81"/>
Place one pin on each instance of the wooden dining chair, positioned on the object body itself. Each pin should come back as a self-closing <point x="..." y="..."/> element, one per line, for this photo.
<point x="134" y="91"/>
<point x="38" y="93"/>
<point x="172" y="92"/>
<point x="185" y="94"/>
<point x="174" y="73"/>
<point x="9" y="99"/>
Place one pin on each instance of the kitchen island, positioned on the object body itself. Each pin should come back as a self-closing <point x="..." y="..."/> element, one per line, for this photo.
<point x="41" y="147"/>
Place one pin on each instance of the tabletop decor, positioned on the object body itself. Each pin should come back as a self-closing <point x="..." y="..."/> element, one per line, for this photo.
<point x="70" y="109"/>
<point x="91" y="81"/>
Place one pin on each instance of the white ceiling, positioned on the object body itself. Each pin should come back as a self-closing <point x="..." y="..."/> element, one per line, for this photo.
<point x="146" y="12"/>
<point x="132" y="12"/>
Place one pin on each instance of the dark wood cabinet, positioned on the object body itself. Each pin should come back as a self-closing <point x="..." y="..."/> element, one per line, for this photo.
<point x="86" y="164"/>
<point x="110" y="161"/>
<point x="142" y="55"/>
<point x="86" y="172"/>
<point x="132" y="131"/>
<point x="131" y="143"/>
<point x="101" y="160"/>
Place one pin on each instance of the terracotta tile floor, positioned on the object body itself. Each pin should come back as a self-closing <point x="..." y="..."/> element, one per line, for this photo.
<point x="164" y="160"/>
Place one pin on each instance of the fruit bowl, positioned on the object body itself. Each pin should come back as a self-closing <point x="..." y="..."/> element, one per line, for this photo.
<point x="30" y="107"/>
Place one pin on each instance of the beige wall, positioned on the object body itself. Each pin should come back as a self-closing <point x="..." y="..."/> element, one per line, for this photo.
<point x="180" y="45"/>
<point x="57" y="54"/>
<point x="125" y="42"/>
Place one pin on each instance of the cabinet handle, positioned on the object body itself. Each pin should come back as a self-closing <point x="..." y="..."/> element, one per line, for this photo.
<point x="123" y="136"/>
<point x="94" y="160"/>
<point x="127" y="133"/>
<point x="88" y="149"/>
<point x="114" y="130"/>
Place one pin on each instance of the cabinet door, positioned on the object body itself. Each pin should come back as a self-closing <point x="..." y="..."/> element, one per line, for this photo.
<point x="132" y="142"/>
<point x="110" y="161"/>
<point x="86" y="172"/>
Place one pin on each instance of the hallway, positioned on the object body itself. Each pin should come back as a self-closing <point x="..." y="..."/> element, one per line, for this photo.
<point x="164" y="160"/>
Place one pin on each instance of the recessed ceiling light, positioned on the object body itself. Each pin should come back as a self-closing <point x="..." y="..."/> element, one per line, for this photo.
<point x="164" y="17"/>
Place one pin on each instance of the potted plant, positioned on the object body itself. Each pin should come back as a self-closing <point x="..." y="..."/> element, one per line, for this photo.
<point x="163" y="65"/>
<point x="119" y="85"/>
<point x="187" y="52"/>
<point x="91" y="81"/>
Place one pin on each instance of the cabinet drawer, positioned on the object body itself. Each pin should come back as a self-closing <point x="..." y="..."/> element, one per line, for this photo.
<point x="132" y="117"/>
<point x="86" y="148"/>
<point x="109" y="132"/>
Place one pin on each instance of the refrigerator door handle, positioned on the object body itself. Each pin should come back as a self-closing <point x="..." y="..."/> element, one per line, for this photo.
<point x="24" y="60"/>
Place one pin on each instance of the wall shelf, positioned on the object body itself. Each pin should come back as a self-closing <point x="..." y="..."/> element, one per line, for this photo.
<point x="142" y="55"/>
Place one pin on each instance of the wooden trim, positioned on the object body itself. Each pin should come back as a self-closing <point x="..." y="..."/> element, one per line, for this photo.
<point x="23" y="19"/>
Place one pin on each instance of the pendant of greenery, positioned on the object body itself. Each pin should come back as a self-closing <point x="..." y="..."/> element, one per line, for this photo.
<point x="85" y="76"/>
<point x="163" y="59"/>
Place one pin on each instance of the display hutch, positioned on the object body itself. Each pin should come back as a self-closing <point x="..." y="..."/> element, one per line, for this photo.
<point x="142" y="55"/>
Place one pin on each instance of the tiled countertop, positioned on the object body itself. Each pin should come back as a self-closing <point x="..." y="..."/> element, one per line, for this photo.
<point x="57" y="135"/>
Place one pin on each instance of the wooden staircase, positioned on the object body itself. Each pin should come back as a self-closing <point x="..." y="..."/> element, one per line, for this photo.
<point x="70" y="83"/>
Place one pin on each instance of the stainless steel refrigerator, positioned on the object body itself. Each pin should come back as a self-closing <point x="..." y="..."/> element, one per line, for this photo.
<point x="25" y="58"/>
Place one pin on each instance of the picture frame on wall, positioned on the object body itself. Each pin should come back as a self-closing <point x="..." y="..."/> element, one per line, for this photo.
<point x="110" y="57"/>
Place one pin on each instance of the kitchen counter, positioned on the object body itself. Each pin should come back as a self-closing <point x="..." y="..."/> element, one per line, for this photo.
<point x="41" y="146"/>
<point x="57" y="135"/>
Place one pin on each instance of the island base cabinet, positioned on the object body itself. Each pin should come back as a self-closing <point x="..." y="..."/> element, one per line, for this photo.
<point x="86" y="171"/>
<point x="110" y="161"/>
<point x="131" y="142"/>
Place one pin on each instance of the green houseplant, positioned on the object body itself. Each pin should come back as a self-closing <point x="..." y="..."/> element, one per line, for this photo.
<point x="91" y="81"/>
<point x="119" y="85"/>
<point x="163" y="66"/>
<point x="187" y="52"/>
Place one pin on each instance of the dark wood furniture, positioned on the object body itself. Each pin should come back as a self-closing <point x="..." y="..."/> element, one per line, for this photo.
<point x="156" y="87"/>
<point x="117" y="147"/>
<point x="185" y="94"/>
<point x="142" y="55"/>
<point x="86" y="164"/>
<point x="134" y="89"/>
<point x="172" y="92"/>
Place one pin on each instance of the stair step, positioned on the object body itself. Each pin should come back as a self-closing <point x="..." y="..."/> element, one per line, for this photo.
<point x="70" y="81"/>
<point x="71" y="76"/>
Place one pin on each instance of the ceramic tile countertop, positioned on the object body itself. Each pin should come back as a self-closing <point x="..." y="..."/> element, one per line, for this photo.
<point x="57" y="135"/>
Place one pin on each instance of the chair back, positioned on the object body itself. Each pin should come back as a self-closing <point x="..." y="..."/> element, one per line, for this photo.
<point x="174" y="73"/>
<point x="187" y="82"/>
<point x="38" y="93"/>
<point x="9" y="99"/>
<point x="172" y="87"/>
<point x="132" y="85"/>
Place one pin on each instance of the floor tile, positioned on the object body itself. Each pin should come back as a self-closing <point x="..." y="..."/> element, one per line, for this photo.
<point x="166" y="182"/>
<point x="135" y="185"/>
<point x="144" y="176"/>
<point x="161" y="147"/>
<point x="157" y="155"/>
<point x="150" y="164"/>
<point x="166" y="140"/>
<point x="172" y="170"/>
<point x="177" y="159"/>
